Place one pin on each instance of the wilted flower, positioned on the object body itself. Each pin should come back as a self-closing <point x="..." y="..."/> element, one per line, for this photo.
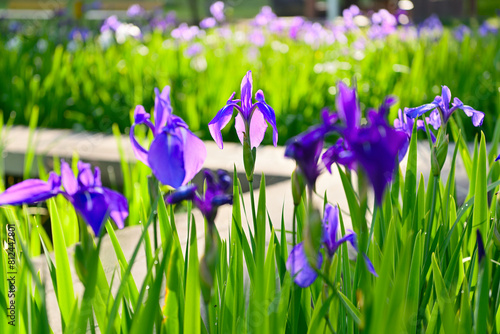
<point x="176" y="155"/>
<point x="216" y="194"/>
<point x="298" y="263"/>
<point x="441" y="111"/>
<point x="90" y="199"/>
<point x="250" y="123"/>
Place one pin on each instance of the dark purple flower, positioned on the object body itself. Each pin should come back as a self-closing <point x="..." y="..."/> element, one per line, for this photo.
<point x="90" y="199"/>
<point x="176" y="155"/>
<point x="216" y="194"/>
<point x="374" y="146"/>
<point x="305" y="149"/>
<point x="250" y="123"/>
<point x="441" y="107"/>
<point x="298" y="263"/>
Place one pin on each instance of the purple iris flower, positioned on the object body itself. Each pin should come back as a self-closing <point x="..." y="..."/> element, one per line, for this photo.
<point x="373" y="146"/>
<point x="135" y="11"/>
<point x="250" y="123"/>
<point x="216" y="194"/>
<point x="208" y="23"/>
<point x="111" y="23"/>
<point x="90" y="199"/>
<point x="194" y="50"/>
<point x="461" y="31"/>
<point x="298" y="264"/>
<point x="176" y="155"/>
<point x="81" y="34"/>
<point x="441" y="111"/>
<point x="217" y="11"/>
<point x="405" y="125"/>
<point x="487" y="28"/>
<point x="305" y="149"/>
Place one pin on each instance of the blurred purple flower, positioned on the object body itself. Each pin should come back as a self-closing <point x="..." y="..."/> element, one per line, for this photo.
<point x="373" y="146"/>
<point x="111" y="23"/>
<point x="257" y="38"/>
<point x="193" y="50"/>
<point x="405" y="125"/>
<point x="208" y="23"/>
<point x="461" y="31"/>
<point x="90" y="199"/>
<point x="298" y="263"/>
<point x="176" y="155"/>
<point x="265" y="16"/>
<point x="81" y="34"/>
<point x="487" y="28"/>
<point x="217" y="193"/>
<point x="217" y="11"/>
<point x="136" y="10"/>
<point x="185" y="32"/>
<point x="250" y="123"/>
<point x="441" y="110"/>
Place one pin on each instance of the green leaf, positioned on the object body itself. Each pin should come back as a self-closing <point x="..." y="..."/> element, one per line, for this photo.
<point x="65" y="292"/>
<point x="445" y="301"/>
<point x="410" y="188"/>
<point x="192" y="315"/>
<point x="349" y="306"/>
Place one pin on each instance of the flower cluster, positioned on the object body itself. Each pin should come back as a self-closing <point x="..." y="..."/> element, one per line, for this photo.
<point x="91" y="200"/>
<point x="176" y="155"/>
<point x="300" y="266"/>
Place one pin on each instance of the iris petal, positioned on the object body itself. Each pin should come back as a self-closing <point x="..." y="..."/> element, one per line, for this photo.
<point x="118" y="207"/>
<point x="219" y="122"/>
<point x="166" y="159"/>
<point x="298" y="266"/>
<point x="29" y="191"/>
<point x="195" y="154"/>
<point x="69" y="181"/>
<point x="93" y="207"/>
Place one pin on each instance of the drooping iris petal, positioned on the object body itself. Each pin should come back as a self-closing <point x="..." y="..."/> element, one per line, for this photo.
<point x="31" y="191"/>
<point x="258" y="127"/>
<point x="219" y="122"/>
<point x="69" y="181"/>
<point x="246" y="94"/>
<point x="419" y="111"/>
<point x="268" y="113"/>
<point x="140" y="117"/>
<point x="369" y="265"/>
<point x="299" y="268"/>
<point x="348" y="106"/>
<point x="477" y="116"/>
<point x="338" y="153"/>
<point x="350" y="237"/>
<point x="182" y="193"/>
<point x="195" y="154"/>
<point x="117" y="207"/>
<point x="166" y="159"/>
<point x="92" y="206"/>
<point x="434" y="119"/>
